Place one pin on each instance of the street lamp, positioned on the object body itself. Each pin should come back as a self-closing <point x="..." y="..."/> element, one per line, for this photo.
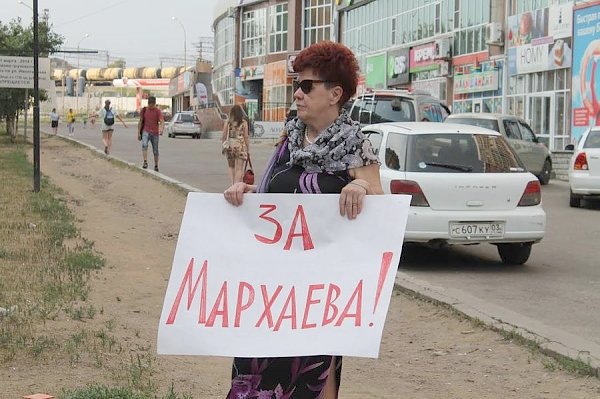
<point x="79" y="72"/>
<point x="78" y="43"/>
<point x="175" y="19"/>
<point x="21" y="2"/>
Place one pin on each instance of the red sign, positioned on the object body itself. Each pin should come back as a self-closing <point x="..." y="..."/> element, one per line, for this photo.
<point x="581" y="117"/>
<point x="422" y="58"/>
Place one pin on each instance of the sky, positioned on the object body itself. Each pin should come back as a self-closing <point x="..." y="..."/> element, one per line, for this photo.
<point x="140" y="31"/>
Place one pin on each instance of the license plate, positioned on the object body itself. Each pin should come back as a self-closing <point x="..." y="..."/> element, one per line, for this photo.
<point x="478" y="229"/>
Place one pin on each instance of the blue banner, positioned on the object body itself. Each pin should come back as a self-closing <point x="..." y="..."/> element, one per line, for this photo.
<point x="584" y="82"/>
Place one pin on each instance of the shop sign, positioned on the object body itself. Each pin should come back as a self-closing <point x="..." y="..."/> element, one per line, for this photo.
<point x="252" y="72"/>
<point x="291" y="57"/>
<point x="586" y="49"/>
<point x="180" y="83"/>
<point x="275" y="74"/>
<point x="476" y="82"/>
<point x="397" y="67"/>
<point x="422" y="58"/>
<point x="540" y="40"/>
<point x="431" y="86"/>
<point x="376" y="71"/>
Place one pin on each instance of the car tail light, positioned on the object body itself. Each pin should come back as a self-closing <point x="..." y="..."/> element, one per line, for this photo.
<point x="532" y="195"/>
<point x="581" y="162"/>
<point x="409" y="187"/>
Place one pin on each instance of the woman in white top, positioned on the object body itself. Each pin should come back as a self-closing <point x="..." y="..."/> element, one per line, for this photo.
<point x="107" y="115"/>
<point x="54" y="120"/>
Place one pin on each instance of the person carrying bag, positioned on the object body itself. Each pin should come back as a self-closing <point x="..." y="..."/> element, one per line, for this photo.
<point x="248" y="172"/>
<point x="235" y="143"/>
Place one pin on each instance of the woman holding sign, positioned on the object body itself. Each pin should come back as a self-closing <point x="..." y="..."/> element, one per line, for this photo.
<point x="322" y="151"/>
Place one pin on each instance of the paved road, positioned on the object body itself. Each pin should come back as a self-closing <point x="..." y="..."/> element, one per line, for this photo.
<point x="557" y="290"/>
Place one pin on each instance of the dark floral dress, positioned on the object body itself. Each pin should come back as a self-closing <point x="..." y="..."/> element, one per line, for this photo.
<point x="320" y="168"/>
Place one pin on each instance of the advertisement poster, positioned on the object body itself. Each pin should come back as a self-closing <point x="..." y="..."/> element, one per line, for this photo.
<point x="540" y="40"/>
<point x="282" y="275"/>
<point x="376" y="71"/>
<point x="422" y="58"/>
<point x="397" y="69"/>
<point x="585" y="87"/>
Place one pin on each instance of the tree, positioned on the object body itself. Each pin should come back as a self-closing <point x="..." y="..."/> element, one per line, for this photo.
<point x="117" y="64"/>
<point x="17" y="40"/>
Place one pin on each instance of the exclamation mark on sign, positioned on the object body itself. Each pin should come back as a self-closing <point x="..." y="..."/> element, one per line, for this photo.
<point x="386" y="261"/>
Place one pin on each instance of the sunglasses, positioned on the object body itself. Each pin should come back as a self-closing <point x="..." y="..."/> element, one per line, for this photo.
<point x="306" y="85"/>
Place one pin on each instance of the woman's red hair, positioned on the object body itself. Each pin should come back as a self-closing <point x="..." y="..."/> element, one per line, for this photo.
<point x="333" y="62"/>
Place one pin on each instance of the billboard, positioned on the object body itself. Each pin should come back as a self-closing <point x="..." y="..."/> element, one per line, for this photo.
<point x="17" y="72"/>
<point x="422" y="58"/>
<point x="397" y="67"/>
<point x="586" y="49"/>
<point x="376" y="71"/>
<point x="540" y="40"/>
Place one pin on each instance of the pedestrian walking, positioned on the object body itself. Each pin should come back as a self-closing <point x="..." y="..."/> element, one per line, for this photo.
<point x="150" y="127"/>
<point x="235" y="141"/>
<point x="71" y="122"/>
<point x="54" y="121"/>
<point x="326" y="148"/>
<point x="107" y="115"/>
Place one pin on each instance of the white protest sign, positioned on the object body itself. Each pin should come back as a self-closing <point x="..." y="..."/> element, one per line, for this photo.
<point x="281" y="275"/>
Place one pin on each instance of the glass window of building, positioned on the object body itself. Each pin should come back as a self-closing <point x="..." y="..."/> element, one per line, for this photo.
<point x="278" y="30"/>
<point x="223" y="77"/>
<point x="519" y="6"/>
<point x="254" y="27"/>
<point x="317" y="21"/>
<point x="224" y="43"/>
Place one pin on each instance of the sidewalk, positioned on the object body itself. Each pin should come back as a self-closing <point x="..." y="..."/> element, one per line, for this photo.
<point x="133" y="217"/>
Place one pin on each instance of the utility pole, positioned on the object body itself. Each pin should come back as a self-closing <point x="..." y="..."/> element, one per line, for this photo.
<point x="36" y="101"/>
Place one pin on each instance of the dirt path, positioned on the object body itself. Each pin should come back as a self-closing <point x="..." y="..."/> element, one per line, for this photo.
<point x="133" y="219"/>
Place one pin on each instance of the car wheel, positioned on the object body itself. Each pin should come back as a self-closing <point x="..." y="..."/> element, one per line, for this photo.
<point x="514" y="253"/>
<point x="544" y="176"/>
<point x="574" y="200"/>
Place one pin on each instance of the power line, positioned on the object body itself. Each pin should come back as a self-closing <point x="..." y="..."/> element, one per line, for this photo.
<point x="92" y="13"/>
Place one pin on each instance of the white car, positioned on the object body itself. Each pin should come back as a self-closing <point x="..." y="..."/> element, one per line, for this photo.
<point x="184" y="124"/>
<point x="584" y="169"/>
<point x="468" y="186"/>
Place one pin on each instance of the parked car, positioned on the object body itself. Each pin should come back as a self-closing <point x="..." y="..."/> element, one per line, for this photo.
<point x="132" y="115"/>
<point x="184" y="124"/>
<point x="381" y="106"/>
<point x="534" y="155"/>
<point x="468" y="186"/>
<point x="584" y="169"/>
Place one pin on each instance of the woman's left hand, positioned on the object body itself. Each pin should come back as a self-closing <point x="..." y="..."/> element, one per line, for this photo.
<point x="351" y="198"/>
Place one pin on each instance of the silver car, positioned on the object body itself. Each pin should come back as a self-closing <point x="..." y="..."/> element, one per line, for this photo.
<point x="184" y="124"/>
<point x="534" y="155"/>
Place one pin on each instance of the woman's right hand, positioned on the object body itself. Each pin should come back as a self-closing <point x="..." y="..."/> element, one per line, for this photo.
<point x="235" y="193"/>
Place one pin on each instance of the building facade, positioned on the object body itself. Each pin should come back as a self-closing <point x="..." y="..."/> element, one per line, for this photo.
<point x="505" y="56"/>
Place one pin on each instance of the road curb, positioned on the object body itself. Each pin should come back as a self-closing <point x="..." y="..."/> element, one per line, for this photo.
<point x="550" y="341"/>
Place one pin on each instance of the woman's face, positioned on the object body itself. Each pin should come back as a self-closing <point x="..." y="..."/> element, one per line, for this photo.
<point x="526" y="24"/>
<point x="319" y="98"/>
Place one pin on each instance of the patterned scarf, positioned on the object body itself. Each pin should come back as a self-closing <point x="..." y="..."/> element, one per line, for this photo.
<point x="341" y="146"/>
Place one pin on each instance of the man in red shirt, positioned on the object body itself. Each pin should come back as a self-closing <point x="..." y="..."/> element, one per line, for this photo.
<point x="151" y="125"/>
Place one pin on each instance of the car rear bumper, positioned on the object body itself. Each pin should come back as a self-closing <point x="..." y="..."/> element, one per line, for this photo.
<point x="584" y="184"/>
<point x="523" y="224"/>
